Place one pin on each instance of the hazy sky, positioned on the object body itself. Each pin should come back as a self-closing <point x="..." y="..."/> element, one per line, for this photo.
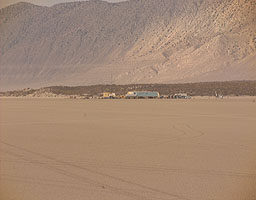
<point x="4" y="3"/>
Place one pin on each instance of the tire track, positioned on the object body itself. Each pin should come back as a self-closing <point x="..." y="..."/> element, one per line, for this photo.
<point x="167" y="139"/>
<point x="159" y="169"/>
<point x="93" y="172"/>
<point x="175" y="138"/>
<point x="97" y="184"/>
<point x="60" y="184"/>
<point x="163" y="169"/>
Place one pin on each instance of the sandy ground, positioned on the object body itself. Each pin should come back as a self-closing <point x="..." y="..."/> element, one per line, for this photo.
<point x="63" y="149"/>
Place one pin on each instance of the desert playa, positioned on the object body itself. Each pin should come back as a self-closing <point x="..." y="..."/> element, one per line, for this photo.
<point x="63" y="149"/>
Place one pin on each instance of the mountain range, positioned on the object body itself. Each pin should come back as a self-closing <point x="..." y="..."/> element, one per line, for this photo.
<point x="136" y="41"/>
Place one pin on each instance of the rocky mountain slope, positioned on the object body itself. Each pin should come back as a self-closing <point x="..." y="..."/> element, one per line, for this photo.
<point x="137" y="41"/>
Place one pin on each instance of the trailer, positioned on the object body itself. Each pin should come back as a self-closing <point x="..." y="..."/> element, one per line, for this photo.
<point x="142" y="95"/>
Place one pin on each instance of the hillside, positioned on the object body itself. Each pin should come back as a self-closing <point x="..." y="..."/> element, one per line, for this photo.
<point x="138" y="41"/>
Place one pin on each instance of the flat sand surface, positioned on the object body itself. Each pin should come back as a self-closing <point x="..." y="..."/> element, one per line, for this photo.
<point x="63" y="149"/>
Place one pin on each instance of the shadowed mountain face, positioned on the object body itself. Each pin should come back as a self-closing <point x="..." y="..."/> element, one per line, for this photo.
<point x="138" y="41"/>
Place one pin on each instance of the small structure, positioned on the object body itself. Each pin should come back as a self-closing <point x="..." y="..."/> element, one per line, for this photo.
<point x="218" y="96"/>
<point x="181" y="96"/>
<point x="108" y="95"/>
<point x="73" y="97"/>
<point x="142" y="95"/>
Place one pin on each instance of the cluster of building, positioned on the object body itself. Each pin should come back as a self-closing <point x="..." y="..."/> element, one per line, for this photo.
<point x="143" y="95"/>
